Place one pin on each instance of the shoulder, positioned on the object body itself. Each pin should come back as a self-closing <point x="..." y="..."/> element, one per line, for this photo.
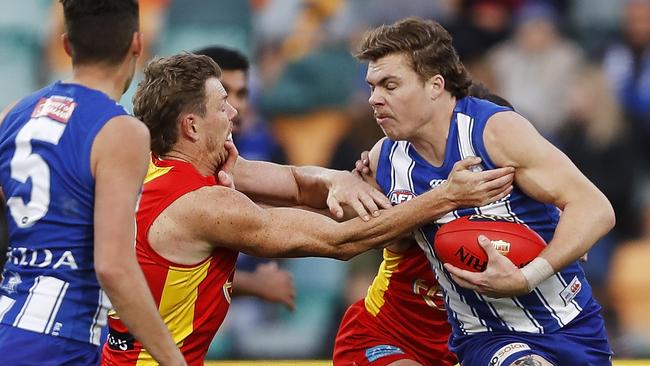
<point x="126" y="127"/>
<point x="508" y="136"/>
<point x="123" y="139"/>
<point x="207" y="206"/>
<point x="505" y="124"/>
<point x="375" y="153"/>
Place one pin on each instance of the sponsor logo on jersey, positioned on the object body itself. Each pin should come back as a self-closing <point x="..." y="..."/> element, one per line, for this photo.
<point x="55" y="107"/>
<point x="383" y="350"/>
<point x="571" y="290"/>
<point x="41" y="258"/>
<point x="119" y="341"/>
<point x="400" y="196"/>
<point x="506" y="351"/>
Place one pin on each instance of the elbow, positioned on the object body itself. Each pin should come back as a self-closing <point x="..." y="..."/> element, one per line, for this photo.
<point x="608" y="216"/>
<point x="346" y="252"/>
<point x="111" y="275"/>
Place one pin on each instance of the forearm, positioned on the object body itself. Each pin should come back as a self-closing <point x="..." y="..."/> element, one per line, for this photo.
<point x="347" y="239"/>
<point x="131" y="298"/>
<point x="267" y="182"/>
<point x="581" y="225"/>
<point x="244" y="283"/>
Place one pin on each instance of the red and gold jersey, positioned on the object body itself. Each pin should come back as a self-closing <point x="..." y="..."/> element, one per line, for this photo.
<point x="405" y="292"/>
<point x="192" y="299"/>
<point x="404" y="316"/>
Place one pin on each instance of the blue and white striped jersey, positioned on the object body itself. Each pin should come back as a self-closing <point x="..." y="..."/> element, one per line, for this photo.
<point x="402" y="172"/>
<point x="49" y="284"/>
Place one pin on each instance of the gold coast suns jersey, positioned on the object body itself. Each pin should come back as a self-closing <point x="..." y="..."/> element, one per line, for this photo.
<point x="406" y="297"/>
<point x="192" y="299"/>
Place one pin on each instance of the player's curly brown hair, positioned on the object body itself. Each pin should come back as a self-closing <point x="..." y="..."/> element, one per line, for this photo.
<point x="426" y="43"/>
<point x="171" y="86"/>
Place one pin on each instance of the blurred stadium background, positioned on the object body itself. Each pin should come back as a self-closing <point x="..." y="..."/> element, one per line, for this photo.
<point x="578" y="69"/>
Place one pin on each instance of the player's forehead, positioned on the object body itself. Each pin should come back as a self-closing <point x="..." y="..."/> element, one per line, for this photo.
<point x="395" y="65"/>
<point x="215" y="90"/>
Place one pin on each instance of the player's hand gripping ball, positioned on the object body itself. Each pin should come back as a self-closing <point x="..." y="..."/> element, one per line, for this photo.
<point x="456" y="242"/>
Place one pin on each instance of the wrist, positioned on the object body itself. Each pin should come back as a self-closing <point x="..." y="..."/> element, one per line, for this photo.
<point x="536" y="272"/>
<point x="448" y="200"/>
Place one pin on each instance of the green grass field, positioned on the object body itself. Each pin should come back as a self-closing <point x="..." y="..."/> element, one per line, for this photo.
<point x="329" y="363"/>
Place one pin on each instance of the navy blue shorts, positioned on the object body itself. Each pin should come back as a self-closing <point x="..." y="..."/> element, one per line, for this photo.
<point x="20" y="347"/>
<point x="582" y="342"/>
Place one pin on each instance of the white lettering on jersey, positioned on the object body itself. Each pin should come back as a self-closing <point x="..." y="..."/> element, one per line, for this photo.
<point x="40" y="258"/>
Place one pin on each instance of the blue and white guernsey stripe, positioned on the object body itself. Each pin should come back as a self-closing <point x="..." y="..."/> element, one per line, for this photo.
<point x="555" y="302"/>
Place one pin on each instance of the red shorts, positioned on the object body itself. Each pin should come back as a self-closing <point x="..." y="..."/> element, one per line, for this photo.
<point x="362" y="340"/>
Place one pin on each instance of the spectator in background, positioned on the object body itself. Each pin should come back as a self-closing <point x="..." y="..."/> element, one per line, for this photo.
<point x="308" y="79"/>
<point x="627" y="64"/>
<point x="480" y="25"/>
<point x="536" y="56"/>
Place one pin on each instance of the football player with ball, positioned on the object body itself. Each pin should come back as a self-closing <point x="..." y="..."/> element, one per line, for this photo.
<point x="540" y="314"/>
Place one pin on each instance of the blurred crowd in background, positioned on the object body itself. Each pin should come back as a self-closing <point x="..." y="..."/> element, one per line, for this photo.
<point x="579" y="70"/>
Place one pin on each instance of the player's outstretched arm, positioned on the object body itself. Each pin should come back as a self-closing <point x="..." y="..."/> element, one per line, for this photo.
<point x="310" y="186"/>
<point x="119" y="171"/>
<point x="268" y="282"/>
<point x="284" y="232"/>
<point x="544" y="173"/>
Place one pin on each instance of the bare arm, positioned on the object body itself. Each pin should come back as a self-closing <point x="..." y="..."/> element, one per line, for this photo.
<point x="311" y="186"/>
<point x="282" y="232"/>
<point x="119" y="172"/>
<point x="268" y="282"/>
<point x="547" y="175"/>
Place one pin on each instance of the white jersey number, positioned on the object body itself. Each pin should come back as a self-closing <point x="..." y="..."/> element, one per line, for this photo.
<point x="25" y="164"/>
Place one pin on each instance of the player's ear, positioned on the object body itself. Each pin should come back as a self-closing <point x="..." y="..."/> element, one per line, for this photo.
<point x="136" y="44"/>
<point x="188" y="127"/>
<point x="66" y="44"/>
<point x="435" y="86"/>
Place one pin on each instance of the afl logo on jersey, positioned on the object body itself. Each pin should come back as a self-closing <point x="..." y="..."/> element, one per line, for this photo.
<point x="400" y="196"/>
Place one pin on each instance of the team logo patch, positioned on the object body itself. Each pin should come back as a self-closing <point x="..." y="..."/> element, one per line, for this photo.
<point x="227" y="290"/>
<point x="10" y="281"/>
<point x="400" y="196"/>
<point x="383" y="350"/>
<point x="571" y="291"/>
<point x="506" y="351"/>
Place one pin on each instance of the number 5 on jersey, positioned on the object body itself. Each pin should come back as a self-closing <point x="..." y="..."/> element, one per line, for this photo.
<point x="26" y="164"/>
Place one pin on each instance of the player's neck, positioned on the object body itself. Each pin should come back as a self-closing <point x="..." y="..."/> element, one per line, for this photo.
<point x="111" y="80"/>
<point x="430" y="141"/>
<point x="192" y="156"/>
